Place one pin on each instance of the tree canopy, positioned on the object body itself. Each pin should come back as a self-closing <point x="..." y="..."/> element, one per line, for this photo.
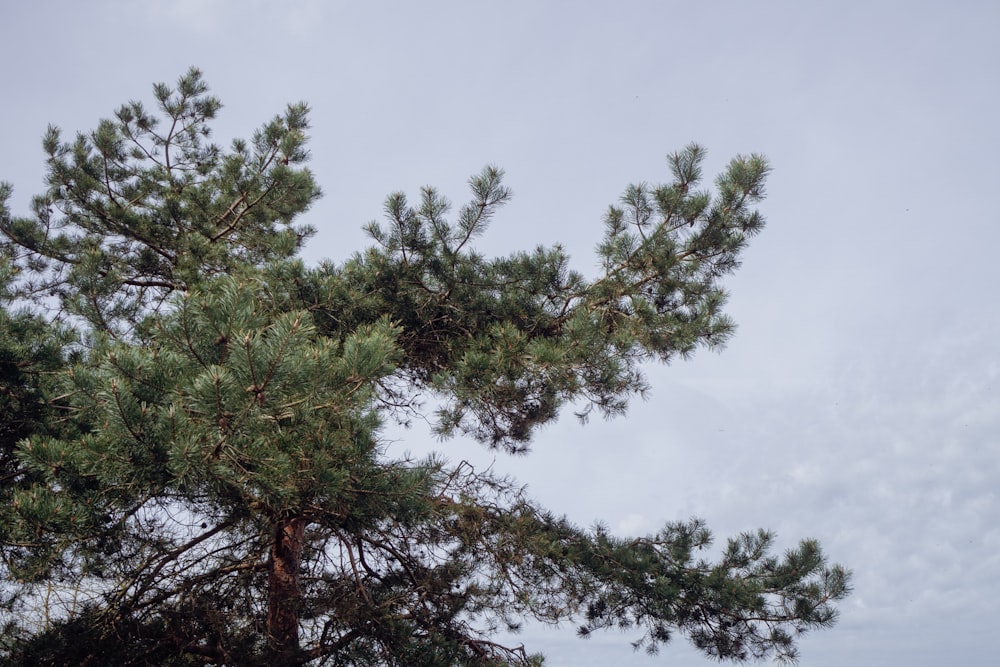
<point x="191" y="416"/>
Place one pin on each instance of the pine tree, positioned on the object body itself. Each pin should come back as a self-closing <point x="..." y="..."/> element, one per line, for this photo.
<point x="198" y="477"/>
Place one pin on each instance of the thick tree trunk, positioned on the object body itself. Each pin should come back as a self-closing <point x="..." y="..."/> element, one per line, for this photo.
<point x="283" y="592"/>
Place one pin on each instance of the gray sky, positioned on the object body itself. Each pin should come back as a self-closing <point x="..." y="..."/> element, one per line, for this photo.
<point x="858" y="401"/>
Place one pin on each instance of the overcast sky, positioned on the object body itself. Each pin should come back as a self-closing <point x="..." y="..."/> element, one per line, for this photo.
<point x="857" y="403"/>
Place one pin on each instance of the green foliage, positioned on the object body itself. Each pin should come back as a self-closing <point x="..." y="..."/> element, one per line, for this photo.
<point x="507" y="342"/>
<point x="32" y="355"/>
<point x="203" y="479"/>
<point x="139" y="208"/>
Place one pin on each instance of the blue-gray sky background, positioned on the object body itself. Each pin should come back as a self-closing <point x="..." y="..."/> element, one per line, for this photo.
<point x="858" y="401"/>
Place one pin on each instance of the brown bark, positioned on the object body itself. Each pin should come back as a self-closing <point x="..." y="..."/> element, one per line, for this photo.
<point x="283" y="592"/>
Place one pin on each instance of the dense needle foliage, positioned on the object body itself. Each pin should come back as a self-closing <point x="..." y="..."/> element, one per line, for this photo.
<point x="190" y="451"/>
